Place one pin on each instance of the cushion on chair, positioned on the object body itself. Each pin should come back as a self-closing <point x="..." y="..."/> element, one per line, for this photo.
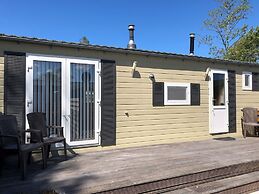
<point x="50" y="140"/>
<point x="30" y="147"/>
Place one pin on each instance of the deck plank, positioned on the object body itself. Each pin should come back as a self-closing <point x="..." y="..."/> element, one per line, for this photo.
<point x="102" y="170"/>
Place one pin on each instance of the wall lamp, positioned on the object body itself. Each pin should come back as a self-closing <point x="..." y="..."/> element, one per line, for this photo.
<point x="151" y="77"/>
<point x="134" y="66"/>
<point x="207" y="72"/>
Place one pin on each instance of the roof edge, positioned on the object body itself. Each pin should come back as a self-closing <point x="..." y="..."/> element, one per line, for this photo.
<point x="119" y="50"/>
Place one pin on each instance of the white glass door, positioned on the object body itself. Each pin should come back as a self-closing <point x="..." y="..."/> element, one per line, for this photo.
<point x="219" y="101"/>
<point x="68" y="91"/>
<point x="83" y="107"/>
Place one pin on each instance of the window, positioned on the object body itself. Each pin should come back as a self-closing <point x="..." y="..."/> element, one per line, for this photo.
<point x="177" y="93"/>
<point x="247" y="80"/>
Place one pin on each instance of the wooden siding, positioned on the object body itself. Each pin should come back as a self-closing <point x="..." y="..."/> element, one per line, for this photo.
<point x="1" y="84"/>
<point x="245" y="98"/>
<point x="145" y="124"/>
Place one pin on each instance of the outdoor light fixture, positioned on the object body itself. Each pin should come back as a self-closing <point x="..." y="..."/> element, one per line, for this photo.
<point x="207" y="72"/>
<point x="134" y="66"/>
<point x="151" y="77"/>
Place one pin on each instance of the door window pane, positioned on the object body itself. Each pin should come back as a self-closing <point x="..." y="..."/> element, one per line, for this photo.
<point x="218" y="89"/>
<point x="47" y="90"/>
<point x="82" y="95"/>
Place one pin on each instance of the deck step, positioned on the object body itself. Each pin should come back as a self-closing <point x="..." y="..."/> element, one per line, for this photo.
<point x="191" y="179"/>
<point x="245" y="183"/>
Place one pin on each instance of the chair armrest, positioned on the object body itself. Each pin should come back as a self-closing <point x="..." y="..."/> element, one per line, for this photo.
<point x="32" y="131"/>
<point x="55" y="127"/>
<point x="38" y="133"/>
<point x="9" y="136"/>
<point x="12" y="137"/>
<point x="251" y="124"/>
<point x="58" y="130"/>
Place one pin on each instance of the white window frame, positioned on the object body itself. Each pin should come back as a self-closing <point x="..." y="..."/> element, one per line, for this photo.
<point x="250" y="84"/>
<point x="177" y="102"/>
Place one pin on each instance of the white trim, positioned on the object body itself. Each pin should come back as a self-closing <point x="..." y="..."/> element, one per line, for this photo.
<point x="212" y="107"/>
<point x="250" y="84"/>
<point x="65" y="76"/>
<point x="177" y="102"/>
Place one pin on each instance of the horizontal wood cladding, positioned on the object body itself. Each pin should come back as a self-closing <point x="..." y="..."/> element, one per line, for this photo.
<point x="173" y="116"/>
<point x="138" y="122"/>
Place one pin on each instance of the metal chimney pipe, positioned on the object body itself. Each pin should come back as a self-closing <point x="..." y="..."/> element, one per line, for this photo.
<point x="131" y="44"/>
<point x="192" y="36"/>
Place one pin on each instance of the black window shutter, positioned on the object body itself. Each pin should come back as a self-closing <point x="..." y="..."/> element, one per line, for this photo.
<point x="108" y="103"/>
<point x="158" y="93"/>
<point x="14" y="86"/>
<point x="255" y="81"/>
<point x="195" y="94"/>
<point x="232" y="100"/>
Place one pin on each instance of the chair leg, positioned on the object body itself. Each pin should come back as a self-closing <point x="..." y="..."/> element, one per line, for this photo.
<point x="29" y="158"/>
<point x="23" y="161"/>
<point x="48" y="150"/>
<point x="1" y="160"/>
<point x="44" y="161"/>
<point x="19" y="159"/>
<point x="244" y="131"/>
<point x="65" y="148"/>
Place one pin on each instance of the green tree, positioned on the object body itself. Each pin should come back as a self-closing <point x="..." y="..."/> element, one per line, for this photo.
<point x="246" y="48"/>
<point x="84" y="40"/>
<point x="224" y="23"/>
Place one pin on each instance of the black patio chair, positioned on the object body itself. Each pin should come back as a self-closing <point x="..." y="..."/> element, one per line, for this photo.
<point x="37" y="120"/>
<point x="13" y="140"/>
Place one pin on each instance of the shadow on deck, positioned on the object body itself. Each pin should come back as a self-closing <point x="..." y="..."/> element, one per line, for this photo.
<point x="120" y="168"/>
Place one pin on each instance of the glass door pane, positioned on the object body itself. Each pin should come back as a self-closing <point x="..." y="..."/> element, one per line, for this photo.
<point x="82" y="102"/>
<point x="218" y="89"/>
<point x="47" y="90"/>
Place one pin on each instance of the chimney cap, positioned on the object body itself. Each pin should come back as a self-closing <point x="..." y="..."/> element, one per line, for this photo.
<point x="131" y="26"/>
<point x="192" y="34"/>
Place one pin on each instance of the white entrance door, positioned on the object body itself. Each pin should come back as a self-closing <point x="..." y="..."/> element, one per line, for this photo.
<point x="218" y="101"/>
<point x="68" y="91"/>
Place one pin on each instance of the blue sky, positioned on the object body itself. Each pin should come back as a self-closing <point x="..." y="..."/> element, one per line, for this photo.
<point x="161" y="25"/>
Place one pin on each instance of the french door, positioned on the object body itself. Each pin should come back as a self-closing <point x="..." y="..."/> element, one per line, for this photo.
<point x="218" y="101"/>
<point x="68" y="91"/>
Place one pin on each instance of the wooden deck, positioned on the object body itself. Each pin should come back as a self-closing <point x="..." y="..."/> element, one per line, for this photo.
<point x="105" y="170"/>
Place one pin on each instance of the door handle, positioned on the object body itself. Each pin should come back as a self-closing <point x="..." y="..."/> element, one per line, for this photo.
<point x="66" y="117"/>
<point x="29" y="102"/>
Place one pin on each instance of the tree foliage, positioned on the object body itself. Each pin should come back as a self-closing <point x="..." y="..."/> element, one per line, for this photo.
<point x="224" y="23"/>
<point x="246" y="48"/>
<point x="84" y="40"/>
